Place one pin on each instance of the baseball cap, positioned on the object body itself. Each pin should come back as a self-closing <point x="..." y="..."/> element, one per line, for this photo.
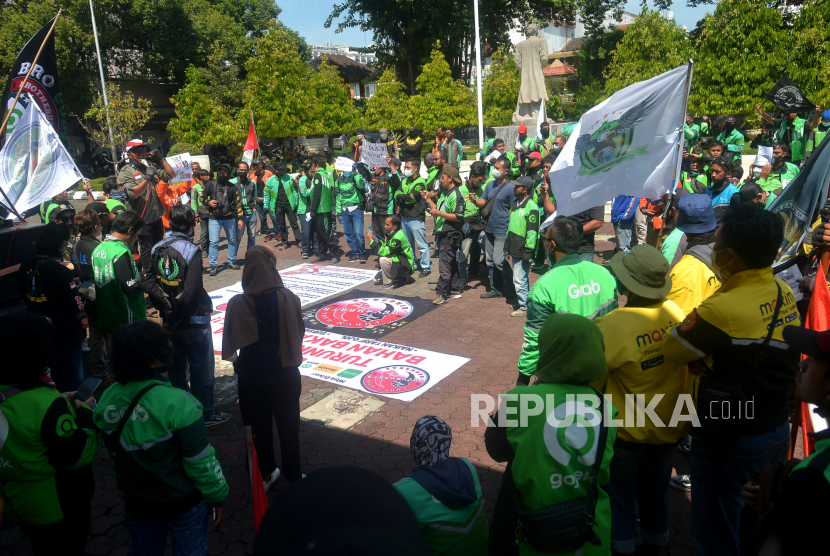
<point x="256" y="161"/>
<point x="98" y="207"/>
<point x="812" y="343"/>
<point x="522" y="181"/>
<point x="452" y="172"/>
<point x="326" y="150"/>
<point x="395" y="161"/>
<point x="281" y="166"/>
<point x="133" y="143"/>
<point x="696" y="214"/>
<point x="535" y="155"/>
<point x="643" y="270"/>
<point x="413" y="128"/>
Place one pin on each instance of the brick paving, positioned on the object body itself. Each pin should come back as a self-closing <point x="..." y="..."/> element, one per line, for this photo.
<point x="481" y="330"/>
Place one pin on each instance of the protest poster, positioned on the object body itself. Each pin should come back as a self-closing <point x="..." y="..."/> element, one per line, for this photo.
<point x="373" y="366"/>
<point x="181" y="164"/>
<point x="365" y="314"/>
<point x="374" y="155"/>
<point x="343" y="164"/>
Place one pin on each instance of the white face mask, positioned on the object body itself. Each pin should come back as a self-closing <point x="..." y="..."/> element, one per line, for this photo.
<point x="498" y="174"/>
<point x="408" y="173"/>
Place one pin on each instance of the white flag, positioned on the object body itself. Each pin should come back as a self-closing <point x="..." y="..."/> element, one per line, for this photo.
<point x="626" y="145"/>
<point x="34" y="165"/>
<point x="540" y="119"/>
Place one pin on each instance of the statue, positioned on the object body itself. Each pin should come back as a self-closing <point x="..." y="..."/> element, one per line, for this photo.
<point x="531" y="56"/>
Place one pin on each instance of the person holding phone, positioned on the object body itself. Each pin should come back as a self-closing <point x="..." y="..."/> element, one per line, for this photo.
<point x="49" y="443"/>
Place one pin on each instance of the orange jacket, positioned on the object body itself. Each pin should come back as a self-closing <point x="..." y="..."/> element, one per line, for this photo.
<point x="169" y="196"/>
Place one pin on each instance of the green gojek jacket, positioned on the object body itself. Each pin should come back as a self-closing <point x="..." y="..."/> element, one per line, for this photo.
<point x="486" y="148"/>
<point x="47" y="447"/>
<point x="522" y="229"/>
<point x="451" y="202"/>
<point x="780" y="178"/>
<point x="163" y="456"/>
<point x="303" y="194"/>
<point x="398" y="249"/>
<point x="814" y="140"/>
<point x="321" y="195"/>
<point x="734" y="141"/>
<point x="349" y="192"/>
<point x="120" y="308"/>
<point x="690" y="134"/>
<point x="272" y="191"/>
<point x="797" y="139"/>
<point x="687" y="179"/>
<point x="408" y="198"/>
<point x="571" y="286"/>
<point x="460" y="532"/>
<point x="547" y="470"/>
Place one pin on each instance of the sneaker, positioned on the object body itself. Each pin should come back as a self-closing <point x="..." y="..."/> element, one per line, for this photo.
<point x="234" y="266"/>
<point x="686" y="445"/>
<point x="334" y="260"/>
<point x="519" y="313"/>
<point x="387" y="287"/>
<point x="270" y="481"/>
<point x="681" y="482"/>
<point x="214" y="271"/>
<point x="217" y="419"/>
<point x="364" y="259"/>
<point x="439" y="300"/>
<point x="455" y="294"/>
<point x="354" y="259"/>
<point x="320" y="259"/>
<point x="424" y="274"/>
<point x="490" y="295"/>
<point x="377" y="282"/>
<point x="304" y="255"/>
<point x="433" y="253"/>
<point x="268" y="237"/>
<point x="204" y="255"/>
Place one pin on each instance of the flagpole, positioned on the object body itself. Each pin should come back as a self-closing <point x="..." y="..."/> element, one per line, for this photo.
<point x="23" y="85"/>
<point x="690" y="65"/>
<point x="478" y="80"/>
<point x="103" y="87"/>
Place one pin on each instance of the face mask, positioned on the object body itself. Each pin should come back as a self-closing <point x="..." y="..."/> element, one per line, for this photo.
<point x="347" y="175"/>
<point x="118" y="195"/>
<point x="556" y="148"/>
<point x="222" y="177"/>
<point x="825" y="125"/>
<point x="545" y="133"/>
<point x="360" y="137"/>
<point x="721" y="270"/>
<point x="498" y="174"/>
<point x="408" y="173"/>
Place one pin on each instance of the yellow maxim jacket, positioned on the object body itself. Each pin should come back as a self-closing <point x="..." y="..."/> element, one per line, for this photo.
<point x="637" y="365"/>
<point x="692" y="283"/>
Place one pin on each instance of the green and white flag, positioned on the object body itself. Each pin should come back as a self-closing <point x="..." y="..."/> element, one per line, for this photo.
<point x="34" y="165"/>
<point x="626" y="145"/>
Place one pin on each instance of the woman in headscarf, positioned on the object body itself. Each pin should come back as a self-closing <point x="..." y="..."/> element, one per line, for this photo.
<point x="444" y="493"/>
<point x="555" y="447"/>
<point x="265" y="325"/>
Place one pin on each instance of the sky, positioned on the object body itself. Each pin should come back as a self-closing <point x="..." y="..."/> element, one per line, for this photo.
<point x="309" y="16"/>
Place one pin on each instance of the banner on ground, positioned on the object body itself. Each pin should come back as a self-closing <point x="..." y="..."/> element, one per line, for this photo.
<point x="788" y="98"/>
<point x="43" y="85"/>
<point x="181" y="164"/>
<point x="373" y="366"/>
<point x="365" y="314"/>
<point x="34" y="165"/>
<point x="800" y="202"/>
<point x="374" y="155"/>
<point x="635" y="133"/>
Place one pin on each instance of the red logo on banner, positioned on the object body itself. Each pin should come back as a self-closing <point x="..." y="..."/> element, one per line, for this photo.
<point x="222" y="307"/>
<point x="41" y="96"/>
<point x="395" y="379"/>
<point x="364" y="312"/>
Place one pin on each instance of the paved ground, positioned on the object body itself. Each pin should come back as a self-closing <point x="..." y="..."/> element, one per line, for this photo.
<point x="481" y="330"/>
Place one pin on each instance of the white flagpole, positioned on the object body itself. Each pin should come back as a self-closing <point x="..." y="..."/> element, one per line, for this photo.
<point x="103" y="88"/>
<point x="478" y="80"/>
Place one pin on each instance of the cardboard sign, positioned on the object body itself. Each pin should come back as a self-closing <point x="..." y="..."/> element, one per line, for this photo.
<point x="181" y="165"/>
<point x="343" y="164"/>
<point x="374" y="155"/>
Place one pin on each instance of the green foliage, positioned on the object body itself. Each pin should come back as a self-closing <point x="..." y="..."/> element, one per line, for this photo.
<point x="127" y="115"/>
<point x="741" y="53"/>
<point x="181" y="147"/>
<point x="440" y="99"/>
<point x="553" y="107"/>
<point x="585" y="99"/>
<point x="200" y="119"/>
<point x="597" y="52"/>
<point x="809" y="52"/>
<point x="389" y="106"/>
<point x="500" y="89"/>
<point x="650" y="46"/>
<point x="333" y="110"/>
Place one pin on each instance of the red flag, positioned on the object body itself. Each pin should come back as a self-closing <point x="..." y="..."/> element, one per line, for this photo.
<point x="818" y="318"/>
<point x="251" y="143"/>
<point x="258" y="487"/>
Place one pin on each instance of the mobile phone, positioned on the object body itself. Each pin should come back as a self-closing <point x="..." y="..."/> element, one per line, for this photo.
<point x="86" y="389"/>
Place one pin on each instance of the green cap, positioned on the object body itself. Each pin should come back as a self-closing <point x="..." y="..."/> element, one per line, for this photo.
<point x="644" y="271"/>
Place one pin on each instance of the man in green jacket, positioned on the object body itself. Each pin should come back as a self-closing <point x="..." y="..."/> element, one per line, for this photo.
<point x="319" y="210"/>
<point x="731" y="138"/>
<point x="448" y="212"/>
<point x="571" y="286"/>
<point x="775" y="177"/>
<point x="691" y="131"/>
<point x="350" y="194"/>
<point x="395" y="253"/>
<point x="303" y="184"/>
<point x="791" y="130"/>
<point x="515" y="168"/>
<point x="522" y="235"/>
<point x="413" y="216"/>
<point x="281" y="200"/>
<point x="819" y="126"/>
<point x="200" y="178"/>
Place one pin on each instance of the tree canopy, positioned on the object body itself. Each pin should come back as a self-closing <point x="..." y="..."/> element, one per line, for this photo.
<point x="389" y="106"/>
<point x="441" y="100"/>
<point x="500" y="89"/>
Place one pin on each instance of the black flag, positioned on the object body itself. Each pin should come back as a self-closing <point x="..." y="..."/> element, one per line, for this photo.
<point x="788" y="97"/>
<point x="43" y="85"/>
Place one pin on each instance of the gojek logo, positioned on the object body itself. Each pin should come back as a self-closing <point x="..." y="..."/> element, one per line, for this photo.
<point x="572" y="429"/>
<point x="585" y="289"/>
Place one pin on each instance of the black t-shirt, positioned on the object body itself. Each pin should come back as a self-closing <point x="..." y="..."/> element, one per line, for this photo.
<point x="81" y="256"/>
<point x="596" y="213"/>
<point x="52" y="291"/>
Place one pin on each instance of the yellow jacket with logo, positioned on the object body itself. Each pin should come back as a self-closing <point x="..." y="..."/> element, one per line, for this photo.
<point x="731" y="326"/>
<point x="692" y="283"/>
<point x="637" y="365"/>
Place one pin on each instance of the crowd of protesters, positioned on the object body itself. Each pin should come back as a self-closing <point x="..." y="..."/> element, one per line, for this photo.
<point x="688" y="305"/>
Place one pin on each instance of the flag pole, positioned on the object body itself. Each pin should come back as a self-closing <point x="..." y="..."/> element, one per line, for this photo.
<point x="23" y="85"/>
<point x="103" y="89"/>
<point x="689" y="66"/>
<point x="478" y="80"/>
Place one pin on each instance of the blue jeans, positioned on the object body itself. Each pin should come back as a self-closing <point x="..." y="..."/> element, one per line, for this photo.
<point x="520" y="281"/>
<point x="416" y="234"/>
<point x="188" y="531"/>
<point x="640" y="472"/>
<point x="721" y="522"/>
<point x="501" y="275"/>
<point x="263" y="220"/>
<point x="215" y="227"/>
<point x="353" y="230"/>
<point x="249" y="224"/>
<point x="587" y="257"/>
<point x="67" y="366"/>
<point x="624" y="229"/>
<point x="194" y="349"/>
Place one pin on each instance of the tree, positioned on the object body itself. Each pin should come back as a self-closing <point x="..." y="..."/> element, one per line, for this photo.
<point x="808" y="59"/>
<point x="200" y="118"/>
<point x="500" y="89"/>
<point x="127" y="115"/>
<point x="389" y="106"/>
<point x="276" y="85"/>
<point x="440" y="99"/>
<point x="333" y="110"/>
<point x="650" y="46"/>
<point x="742" y="53"/>
<point x="596" y="54"/>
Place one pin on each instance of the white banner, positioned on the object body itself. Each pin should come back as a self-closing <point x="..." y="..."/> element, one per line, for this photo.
<point x="634" y="133"/>
<point x="34" y="165"/>
<point x="374" y="155"/>
<point x="343" y="164"/>
<point x="181" y="164"/>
